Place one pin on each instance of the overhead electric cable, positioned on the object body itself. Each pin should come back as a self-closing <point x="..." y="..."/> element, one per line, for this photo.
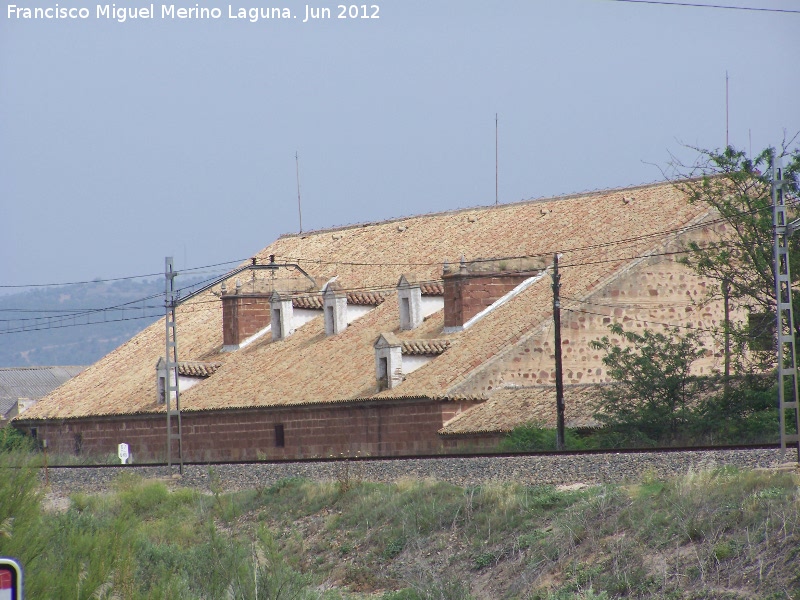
<point x="719" y="6"/>
<point x="111" y="279"/>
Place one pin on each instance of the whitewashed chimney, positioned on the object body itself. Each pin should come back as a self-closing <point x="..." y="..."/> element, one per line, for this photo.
<point x="409" y="297"/>
<point x="335" y="308"/>
<point x="388" y="361"/>
<point x="161" y="381"/>
<point x="281" y="319"/>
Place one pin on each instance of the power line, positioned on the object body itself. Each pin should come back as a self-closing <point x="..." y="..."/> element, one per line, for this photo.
<point x="65" y="325"/>
<point x="544" y="253"/>
<point x="376" y="288"/>
<point x="359" y="289"/>
<point x="111" y="279"/>
<point x="719" y="6"/>
<point x="588" y="312"/>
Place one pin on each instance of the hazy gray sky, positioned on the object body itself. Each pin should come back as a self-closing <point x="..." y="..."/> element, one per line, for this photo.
<point x="124" y="142"/>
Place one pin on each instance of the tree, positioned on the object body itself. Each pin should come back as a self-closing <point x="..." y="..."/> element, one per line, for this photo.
<point x="655" y="394"/>
<point x="738" y="188"/>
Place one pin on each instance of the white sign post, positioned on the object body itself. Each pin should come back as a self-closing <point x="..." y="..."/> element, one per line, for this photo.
<point x="123" y="452"/>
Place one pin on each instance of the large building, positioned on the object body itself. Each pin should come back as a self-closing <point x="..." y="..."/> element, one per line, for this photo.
<point x="21" y="387"/>
<point x="414" y="335"/>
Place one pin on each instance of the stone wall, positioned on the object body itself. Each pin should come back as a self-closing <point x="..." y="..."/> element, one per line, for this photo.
<point x="653" y="294"/>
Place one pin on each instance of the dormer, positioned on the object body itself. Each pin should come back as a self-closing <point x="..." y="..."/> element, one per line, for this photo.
<point x="190" y="373"/>
<point x="161" y="381"/>
<point x="409" y="298"/>
<point x="281" y="319"/>
<point x="334" y="304"/>
<point x="388" y="361"/>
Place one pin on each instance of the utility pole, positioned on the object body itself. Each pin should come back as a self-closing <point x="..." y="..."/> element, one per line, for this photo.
<point x="559" y="370"/>
<point x="726" y="299"/>
<point x="171" y="365"/>
<point x="787" y="357"/>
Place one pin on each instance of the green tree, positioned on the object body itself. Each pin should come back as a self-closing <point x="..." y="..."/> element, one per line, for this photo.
<point x="655" y="395"/>
<point x="738" y="188"/>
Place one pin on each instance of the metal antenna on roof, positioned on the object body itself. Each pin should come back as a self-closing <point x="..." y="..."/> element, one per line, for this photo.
<point x="726" y="109"/>
<point x="496" y="186"/>
<point x="299" y="210"/>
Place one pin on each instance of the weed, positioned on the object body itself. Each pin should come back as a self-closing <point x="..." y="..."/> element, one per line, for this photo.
<point x="483" y="560"/>
<point x="394" y="547"/>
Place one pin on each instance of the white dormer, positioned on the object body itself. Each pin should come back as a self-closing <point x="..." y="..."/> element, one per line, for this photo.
<point x="334" y="305"/>
<point x="388" y="361"/>
<point x="282" y="313"/>
<point x="409" y="297"/>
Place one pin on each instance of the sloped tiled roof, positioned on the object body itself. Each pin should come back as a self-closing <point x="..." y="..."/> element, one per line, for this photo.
<point x="314" y="301"/>
<point x="368" y="259"/>
<point x="366" y="298"/>
<point x="31" y="383"/>
<point x="431" y="288"/>
<point x="510" y="408"/>
<point x="197" y="369"/>
<point x="425" y="347"/>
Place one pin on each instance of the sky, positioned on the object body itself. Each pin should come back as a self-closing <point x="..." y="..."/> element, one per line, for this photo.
<point x="125" y="142"/>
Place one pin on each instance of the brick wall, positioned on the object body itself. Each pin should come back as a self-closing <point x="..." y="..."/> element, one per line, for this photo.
<point x="371" y="429"/>
<point x="467" y="294"/>
<point x="242" y="316"/>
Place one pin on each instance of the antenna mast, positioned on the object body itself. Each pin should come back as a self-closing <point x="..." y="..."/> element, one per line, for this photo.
<point x="726" y="110"/>
<point x="496" y="188"/>
<point x="299" y="209"/>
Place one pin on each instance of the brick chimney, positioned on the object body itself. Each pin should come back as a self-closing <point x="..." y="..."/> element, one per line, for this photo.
<point x="243" y="315"/>
<point x="474" y="286"/>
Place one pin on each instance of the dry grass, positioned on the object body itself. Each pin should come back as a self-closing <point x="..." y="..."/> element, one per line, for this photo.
<point x="711" y="534"/>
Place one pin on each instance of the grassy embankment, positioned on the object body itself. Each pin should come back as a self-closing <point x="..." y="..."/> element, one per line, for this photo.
<point x="722" y="534"/>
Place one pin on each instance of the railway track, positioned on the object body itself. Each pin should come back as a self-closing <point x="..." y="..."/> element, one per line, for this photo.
<point x="540" y="468"/>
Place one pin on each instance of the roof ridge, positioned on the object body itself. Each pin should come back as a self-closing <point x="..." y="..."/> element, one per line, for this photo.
<point x="533" y="200"/>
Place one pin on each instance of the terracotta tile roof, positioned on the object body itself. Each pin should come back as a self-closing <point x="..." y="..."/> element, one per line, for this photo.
<point x="432" y="288"/>
<point x="197" y="369"/>
<point x="312" y="302"/>
<point x="510" y="408"/>
<point x="425" y="347"/>
<point x="309" y="367"/>
<point x="366" y="298"/>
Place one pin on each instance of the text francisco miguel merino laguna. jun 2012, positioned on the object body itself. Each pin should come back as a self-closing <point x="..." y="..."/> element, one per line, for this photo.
<point x="302" y="13"/>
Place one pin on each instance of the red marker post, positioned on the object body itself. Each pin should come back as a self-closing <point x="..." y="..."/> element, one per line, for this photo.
<point x="10" y="579"/>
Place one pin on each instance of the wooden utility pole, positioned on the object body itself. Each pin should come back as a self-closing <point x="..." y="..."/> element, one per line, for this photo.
<point x="726" y="297"/>
<point x="559" y="370"/>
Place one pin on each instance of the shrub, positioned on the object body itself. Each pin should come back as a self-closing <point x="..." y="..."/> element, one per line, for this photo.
<point x="13" y="440"/>
<point x="534" y="438"/>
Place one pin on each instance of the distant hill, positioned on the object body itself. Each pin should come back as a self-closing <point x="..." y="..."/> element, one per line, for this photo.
<point x="76" y="324"/>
